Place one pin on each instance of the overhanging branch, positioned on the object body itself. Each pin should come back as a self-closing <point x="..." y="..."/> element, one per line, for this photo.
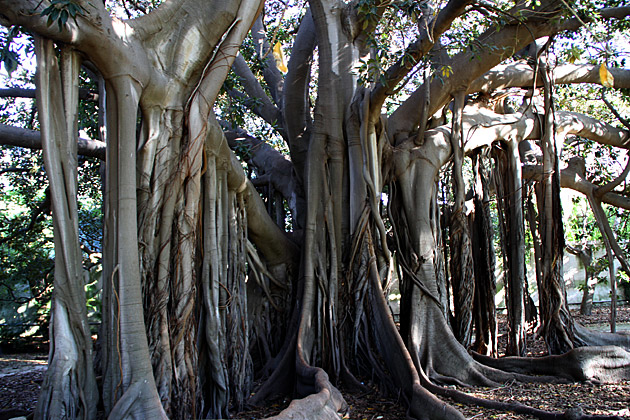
<point x="84" y="94"/>
<point x="31" y="139"/>
<point x="472" y="64"/>
<point x="415" y="51"/>
<point x="520" y="74"/>
<point x="255" y="98"/>
<point x="571" y="178"/>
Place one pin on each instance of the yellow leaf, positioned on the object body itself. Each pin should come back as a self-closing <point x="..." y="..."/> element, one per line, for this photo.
<point x="279" y="56"/>
<point x="605" y="77"/>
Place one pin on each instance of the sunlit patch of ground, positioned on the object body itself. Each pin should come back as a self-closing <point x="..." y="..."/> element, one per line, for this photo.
<point x="19" y="363"/>
<point x="587" y="397"/>
<point x="20" y="381"/>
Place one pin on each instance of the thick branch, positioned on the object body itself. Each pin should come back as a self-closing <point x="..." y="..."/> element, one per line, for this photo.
<point x="31" y="139"/>
<point x="272" y="75"/>
<point x="14" y="170"/>
<point x="608" y="187"/>
<point x="472" y="64"/>
<point x="275" y="246"/>
<point x="592" y="129"/>
<point x="95" y="33"/>
<point x="416" y="50"/>
<point x="483" y="126"/>
<point x="296" y="106"/>
<point x="574" y="24"/>
<point x="26" y="13"/>
<point x="185" y="32"/>
<point x="30" y="93"/>
<point x="521" y="74"/>
<point x="468" y="65"/>
<point x="256" y="99"/>
<point x="572" y="178"/>
<point x="296" y="101"/>
<point x="612" y="109"/>
<point x="267" y="159"/>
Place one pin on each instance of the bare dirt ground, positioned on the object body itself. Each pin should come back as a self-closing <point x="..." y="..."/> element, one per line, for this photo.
<point x="21" y="376"/>
<point x="20" y="380"/>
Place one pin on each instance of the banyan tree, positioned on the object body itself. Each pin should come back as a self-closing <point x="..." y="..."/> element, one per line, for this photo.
<point x="400" y="122"/>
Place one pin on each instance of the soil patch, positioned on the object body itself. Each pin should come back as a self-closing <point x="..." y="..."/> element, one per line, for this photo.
<point x="21" y="376"/>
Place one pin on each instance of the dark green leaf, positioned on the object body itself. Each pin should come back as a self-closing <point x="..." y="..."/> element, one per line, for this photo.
<point x="10" y="61"/>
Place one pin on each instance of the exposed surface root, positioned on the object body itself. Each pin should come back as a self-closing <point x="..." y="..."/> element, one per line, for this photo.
<point x="137" y="402"/>
<point x="601" y="364"/>
<point x="325" y="403"/>
<point x="423" y="404"/>
<point x="599" y="338"/>
<point x="436" y="351"/>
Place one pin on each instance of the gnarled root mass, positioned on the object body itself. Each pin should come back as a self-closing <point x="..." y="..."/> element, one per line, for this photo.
<point x="325" y="401"/>
<point x="418" y="372"/>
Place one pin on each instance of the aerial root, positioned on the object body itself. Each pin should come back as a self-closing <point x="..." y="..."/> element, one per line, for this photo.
<point x="279" y="381"/>
<point x="136" y="402"/>
<point x="424" y="401"/>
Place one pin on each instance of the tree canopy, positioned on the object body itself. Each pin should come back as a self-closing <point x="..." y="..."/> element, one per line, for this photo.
<point x="272" y="170"/>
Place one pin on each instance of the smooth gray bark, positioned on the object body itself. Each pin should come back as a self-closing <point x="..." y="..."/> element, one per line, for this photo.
<point x="179" y="205"/>
<point x="69" y="389"/>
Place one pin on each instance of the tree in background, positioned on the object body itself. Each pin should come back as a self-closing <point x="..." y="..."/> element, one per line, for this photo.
<point x="213" y="278"/>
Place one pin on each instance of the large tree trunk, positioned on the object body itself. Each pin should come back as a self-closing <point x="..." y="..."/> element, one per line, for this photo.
<point x="556" y="321"/>
<point x="462" y="273"/>
<point x="510" y="207"/>
<point x="180" y="214"/>
<point x="69" y="388"/>
<point x="152" y="244"/>
<point x="484" y="309"/>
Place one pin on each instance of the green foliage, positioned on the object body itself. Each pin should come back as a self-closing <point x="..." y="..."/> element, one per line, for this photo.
<point x="26" y="241"/>
<point x="26" y="237"/>
<point x="60" y="10"/>
<point x="573" y="53"/>
<point x="604" y="162"/>
<point x="15" y="47"/>
<point x="581" y="227"/>
<point x="26" y="254"/>
<point x="624" y="285"/>
<point x="8" y="56"/>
